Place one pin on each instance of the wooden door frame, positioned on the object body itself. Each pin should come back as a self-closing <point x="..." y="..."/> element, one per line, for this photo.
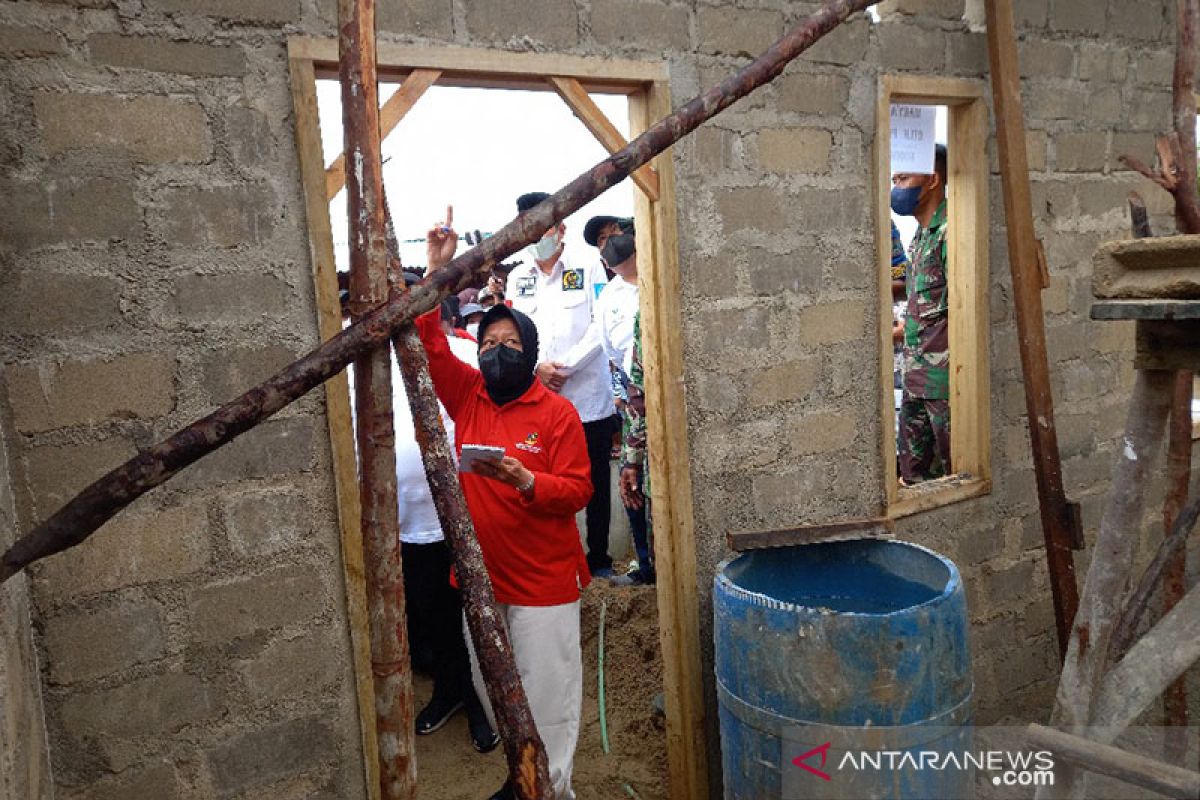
<point x="647" y="87"/>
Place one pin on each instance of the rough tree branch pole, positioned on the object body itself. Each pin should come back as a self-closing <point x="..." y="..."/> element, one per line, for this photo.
<point x="82" y="515"/>
<point x="391" y="667"/>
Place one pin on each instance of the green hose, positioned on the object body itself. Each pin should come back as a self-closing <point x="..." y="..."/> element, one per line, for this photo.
<point x="603" y="716"/>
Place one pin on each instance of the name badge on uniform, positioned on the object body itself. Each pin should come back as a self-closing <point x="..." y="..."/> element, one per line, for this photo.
<point x="572" y="280"/>
<point x="526" y="287"/>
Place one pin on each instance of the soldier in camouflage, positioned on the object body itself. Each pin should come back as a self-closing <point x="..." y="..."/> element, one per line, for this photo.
<point x="924" y="447"/>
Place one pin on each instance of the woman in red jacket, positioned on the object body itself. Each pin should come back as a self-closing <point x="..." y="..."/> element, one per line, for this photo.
<point x="523" y="508"/>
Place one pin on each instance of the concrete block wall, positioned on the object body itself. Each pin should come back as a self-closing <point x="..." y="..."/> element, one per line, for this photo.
<point x="24" y="755"/>
<point x="156" y="264"/>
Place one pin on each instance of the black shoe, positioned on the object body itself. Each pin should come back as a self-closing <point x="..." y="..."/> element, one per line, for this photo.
<point x="505" y="793"/>
<point x="436" y="714"/>
<point x="483" y="737"/>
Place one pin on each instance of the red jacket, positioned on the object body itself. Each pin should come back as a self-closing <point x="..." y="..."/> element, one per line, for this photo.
<point x="531" y="547"/>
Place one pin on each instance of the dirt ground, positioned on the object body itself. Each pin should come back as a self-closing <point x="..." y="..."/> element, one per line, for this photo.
<point x="449" y="769"/>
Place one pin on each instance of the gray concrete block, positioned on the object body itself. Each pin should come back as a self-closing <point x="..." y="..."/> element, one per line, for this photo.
<point x="554" y="22"/>
<point x="136" y="547"/>
<point x="27" y="42"/>
<point x="225" y="374"/>
<point x="217" y="216"/>
<point x="260" y="11"/>
<point x="226" y="611"/>
<point x="289" y="669"/>
<point x="753" y="207"/>
<point x="1077" y="16"/>
<point x="792" y="150"/>
<point x="157" y="781"/>
<point x="737" y="31"/>
<point x="832" y="323"/>
<point x="261" y="756"/>
<point x="274" y="448"/>
<point x="153" y="129"/>
<point x="1081" y="152"/>
<point x="1043" y="58"/>
<point x="55" y="473"/>
<point x="164" y="55"/>
<point x="774" y="273"/>
<point x="618" y="23"/>
<point x="89" y="645"/>
<point x="163" y="703"/>
<point x="45" y="302"/>
<point x="844" y="45"/>
<point x="907" y="47"/>
<point x="63" y="210"/>
<point x="267" y="522"/>
<point x="231" y="299"/>
<point x="49" y="396"/>
<point x="805" y="93"/>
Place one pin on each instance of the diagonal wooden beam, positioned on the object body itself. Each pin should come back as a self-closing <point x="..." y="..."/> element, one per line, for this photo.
<point x="585" y="108"/>
<point x="390" y="114"/>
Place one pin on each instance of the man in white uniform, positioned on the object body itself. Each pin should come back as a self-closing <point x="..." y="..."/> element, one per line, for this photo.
<point x="560" y="298"/>
<point x="616" y="311"/>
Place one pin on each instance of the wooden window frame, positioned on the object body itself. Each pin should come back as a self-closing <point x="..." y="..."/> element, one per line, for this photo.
<point x="647" y="87"/>
<point x="967" y="276"/>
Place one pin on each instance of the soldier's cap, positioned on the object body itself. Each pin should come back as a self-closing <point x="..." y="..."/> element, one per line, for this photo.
<point x="529" y="200"/>
<point x="591" y="231"/>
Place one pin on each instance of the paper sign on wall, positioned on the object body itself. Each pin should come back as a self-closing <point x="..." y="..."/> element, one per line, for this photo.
<point x="913" y="138"/>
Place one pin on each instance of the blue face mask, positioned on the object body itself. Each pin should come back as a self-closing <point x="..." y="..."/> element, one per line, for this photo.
<point x="905" y="200"/>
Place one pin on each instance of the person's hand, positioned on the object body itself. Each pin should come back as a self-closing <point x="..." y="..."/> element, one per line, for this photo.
<point x="496" y="285"/>
<point x="897" y="332"/>
<point x="506" y="470"/>
<point x="631" y="495"/>
<point x="440" y="242"/>
<point x="552" y="374"/>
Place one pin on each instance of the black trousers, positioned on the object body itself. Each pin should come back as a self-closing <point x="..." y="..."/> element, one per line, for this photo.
<point x="598" y="434"/>
<point x="434" y="611"/>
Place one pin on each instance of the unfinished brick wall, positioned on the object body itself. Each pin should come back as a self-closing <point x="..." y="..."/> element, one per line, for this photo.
<point x="24" y="757"/>
<point x="156" y="264"/>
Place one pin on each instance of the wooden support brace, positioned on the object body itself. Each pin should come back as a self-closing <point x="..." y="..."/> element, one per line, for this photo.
<point x="575" y="96"/>
<point x="1105" y="759"/>
<point x="875" y="527"/>
<point x="394" y="110"/>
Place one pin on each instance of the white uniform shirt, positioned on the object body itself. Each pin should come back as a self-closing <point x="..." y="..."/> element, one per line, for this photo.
<point x="561" y="305"/>
<point x="616" y="309"/>
<point x="418" y="516"/>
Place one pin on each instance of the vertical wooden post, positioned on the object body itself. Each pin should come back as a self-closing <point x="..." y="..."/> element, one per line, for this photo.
<point x="1059" y="519"/>
<point x="373" y="397"/>
<point x="1179" y="473"/>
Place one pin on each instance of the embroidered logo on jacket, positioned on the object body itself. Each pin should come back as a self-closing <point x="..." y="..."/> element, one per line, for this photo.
<point x="530" y="445"/>
<point x="572" y="279"/>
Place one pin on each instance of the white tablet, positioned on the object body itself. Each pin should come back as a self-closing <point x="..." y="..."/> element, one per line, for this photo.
<point x="478" y="452"/>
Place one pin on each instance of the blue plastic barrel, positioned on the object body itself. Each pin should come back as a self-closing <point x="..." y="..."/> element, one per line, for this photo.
<point x="854" y="649"/>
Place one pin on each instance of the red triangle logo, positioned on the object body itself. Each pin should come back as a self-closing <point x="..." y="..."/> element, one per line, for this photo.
<point x="823" y="750"/>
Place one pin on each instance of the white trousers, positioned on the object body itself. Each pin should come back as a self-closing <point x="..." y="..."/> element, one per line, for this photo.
<point x="545" y="642"/>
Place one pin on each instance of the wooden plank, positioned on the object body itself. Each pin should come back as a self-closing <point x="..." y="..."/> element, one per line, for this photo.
<point x="670" y="471"/>
<point x="337" y="407"/>
<point x="586" y="110"/>
<point x="616" y="75"/>
<point x="932" y="89"/>
<point x="936" y="494"/>
<point x="1146" y="309"/>
<point x="740" y="541"/>
<point x="390" y="114"/>
<point x="1104" y="759"/>
<point x="968" y="279"/>
<point x="1056" y="513"/>
<point x="883" y="246"/>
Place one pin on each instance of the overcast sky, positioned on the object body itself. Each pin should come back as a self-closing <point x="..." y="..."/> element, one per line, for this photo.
<point x="478" y="149"/>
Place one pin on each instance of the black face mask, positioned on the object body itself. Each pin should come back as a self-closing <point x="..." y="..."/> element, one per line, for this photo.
<point x="506" y="373"/>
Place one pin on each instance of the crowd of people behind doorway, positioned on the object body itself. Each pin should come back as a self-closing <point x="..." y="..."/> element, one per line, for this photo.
<point x="544" y="365"/>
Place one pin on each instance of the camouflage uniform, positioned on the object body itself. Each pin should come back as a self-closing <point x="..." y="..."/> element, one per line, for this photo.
<point x="633" y="432"/>
<point x="925" y="409"/>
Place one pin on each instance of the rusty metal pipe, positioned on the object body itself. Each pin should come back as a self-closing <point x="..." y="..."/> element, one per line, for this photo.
<point x="391" y="666"/>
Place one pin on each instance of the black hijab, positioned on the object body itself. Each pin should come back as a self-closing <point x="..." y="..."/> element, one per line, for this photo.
<point x="527" y="330"/>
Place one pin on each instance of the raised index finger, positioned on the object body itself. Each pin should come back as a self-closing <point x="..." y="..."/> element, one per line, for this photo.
<point x="449" y="216"/>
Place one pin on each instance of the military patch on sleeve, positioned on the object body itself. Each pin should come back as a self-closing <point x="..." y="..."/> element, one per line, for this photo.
<point x="572" y="279"/>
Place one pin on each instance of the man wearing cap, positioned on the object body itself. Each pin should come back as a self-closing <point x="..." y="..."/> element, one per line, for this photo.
<point x="561" y="298"/>
<point x="616" y="313"/>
